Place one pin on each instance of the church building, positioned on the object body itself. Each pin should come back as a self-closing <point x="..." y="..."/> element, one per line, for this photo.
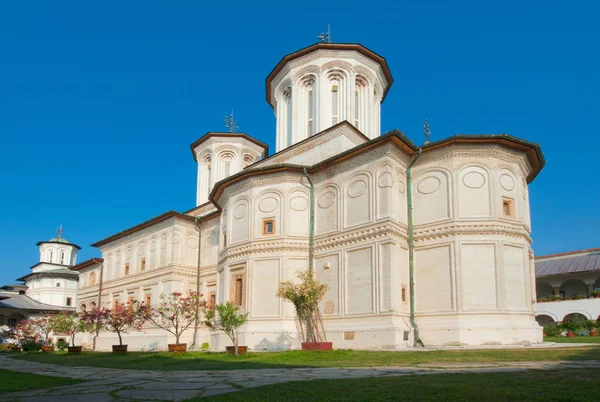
<point x="417" y="243"/>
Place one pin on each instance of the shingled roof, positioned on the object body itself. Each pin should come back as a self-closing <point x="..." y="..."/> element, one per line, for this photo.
<point x="568" y="263"/>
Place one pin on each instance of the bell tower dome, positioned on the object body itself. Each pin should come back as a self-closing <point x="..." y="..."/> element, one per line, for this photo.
<point x="321" y="85"/>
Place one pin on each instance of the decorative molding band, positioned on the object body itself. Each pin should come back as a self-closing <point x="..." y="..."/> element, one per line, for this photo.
<point x="457" y="229"/>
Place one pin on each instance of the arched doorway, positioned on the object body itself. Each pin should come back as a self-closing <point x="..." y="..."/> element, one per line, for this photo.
<point x="544" y="320"/>
<point x="575" y="317"/>
<point x="573" y="287"/>
<point x="543" y="289"/>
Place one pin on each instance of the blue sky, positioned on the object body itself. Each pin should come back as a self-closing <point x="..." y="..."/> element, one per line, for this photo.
<point x="99" y="101"/>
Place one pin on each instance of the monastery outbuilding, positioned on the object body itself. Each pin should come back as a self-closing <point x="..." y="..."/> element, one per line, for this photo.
<point x="465" y="240"/>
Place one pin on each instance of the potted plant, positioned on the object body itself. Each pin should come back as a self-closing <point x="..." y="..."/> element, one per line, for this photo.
<point x="551" y="330"/>
<point x="27" y="335"/>
<point x="71" y="325"/>
<point x="44" y="328"/>
<point x="225" y="317"/>
<point x="570" y="327"/>
<point x="119" y="319"/>
<point x="175" y="313"/>
<point x="592" y="327"/>
<point x="305" y="296"/>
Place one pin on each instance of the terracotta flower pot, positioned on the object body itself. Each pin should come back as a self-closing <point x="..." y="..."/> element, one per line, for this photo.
<point x="242" y="350"/>
<point x="594" y="333"/>
<point x="178" y="347"/>
<point x="16" y="348"/>
<point x="74" y="349"/>
<point x="570" y="334"/>
<point x="119" y="348"/>
<point x="47" y="349"/>
<point x="317" y="345"/>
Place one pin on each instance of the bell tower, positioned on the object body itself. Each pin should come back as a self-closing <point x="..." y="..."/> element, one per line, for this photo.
<point x="319" y="86"/>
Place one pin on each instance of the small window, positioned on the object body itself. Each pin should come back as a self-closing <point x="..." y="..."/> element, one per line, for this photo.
<point x="268" y="227"/>
<point x="148" y="299"/>
<point x="12" y="322"/>
<point x="508" y="207"/>
<point x="69" y="301"/>
<point x="239" y="290"/>
<point x="126" y="269"/>
<point x="213" y="301"/>
<point x="356" y="108"/>
<point x="403" y="293"/>
<point x="142" y="264"/>
<point x="227" y="169"/>
<point x="62" y="258"/>
<point x="334" y="104"/>
<point x="57" y="284"/>
<point x="50" y="256"/>
<point x="224" y="239"/>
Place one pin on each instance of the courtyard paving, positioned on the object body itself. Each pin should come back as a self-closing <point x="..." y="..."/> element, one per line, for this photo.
<point x="104" y="384"/>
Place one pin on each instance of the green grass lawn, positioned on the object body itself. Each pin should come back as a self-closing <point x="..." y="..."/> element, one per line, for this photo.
<point x="290" y="359"/>
<point x="574" y="339"/>
<point x="13" y="381"/>
<point x="555" y="385"/>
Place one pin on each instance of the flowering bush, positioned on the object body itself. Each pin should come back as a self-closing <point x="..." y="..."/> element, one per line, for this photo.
<point x="226" y="319"/>
<point x="176" y="312"/>
<point x="120" y="319"/>
<point x="69" y="324"/>
<point x="305" y="296"/>
<point x="27" y="333"/>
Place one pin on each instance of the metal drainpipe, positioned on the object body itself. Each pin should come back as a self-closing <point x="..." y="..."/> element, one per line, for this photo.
<point x="198" y="225"/>
<point x="411" y="246"/>
<point x="99" y="301"/>
<point x="311" y="220"/>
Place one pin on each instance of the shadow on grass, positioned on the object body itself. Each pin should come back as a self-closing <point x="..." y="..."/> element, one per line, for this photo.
<point x="300" y="359"/>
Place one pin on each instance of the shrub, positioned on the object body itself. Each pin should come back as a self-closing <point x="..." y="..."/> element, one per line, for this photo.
<point x="205" y="346"/>
<point x="62" y="345"/>
<point x="552" y="330"/>
<point x="31" y="346"/>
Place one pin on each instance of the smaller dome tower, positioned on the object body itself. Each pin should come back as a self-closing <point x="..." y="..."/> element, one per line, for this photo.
<point x="220" y="155"/>
<point x="58" y="250"/>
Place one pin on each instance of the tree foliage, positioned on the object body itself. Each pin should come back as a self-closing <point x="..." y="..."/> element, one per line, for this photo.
<point x="225" y="317"/>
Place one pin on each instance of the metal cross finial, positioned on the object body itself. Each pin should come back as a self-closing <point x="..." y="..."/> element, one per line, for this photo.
<point x="326" y="37"/>
<point x="60" y="231"/>
<point x="230" y="123"/>
<point x="426" y="131"/>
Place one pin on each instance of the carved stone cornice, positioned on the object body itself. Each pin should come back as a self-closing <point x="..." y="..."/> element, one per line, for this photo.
<point x="387" y="228"/>
<point x="455" y="228"/>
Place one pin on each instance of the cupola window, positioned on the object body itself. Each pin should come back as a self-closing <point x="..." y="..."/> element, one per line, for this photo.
<point x="227" y="168"/>
<point x="334" y="105"/>
<point x="311" y="112"/>
<point x="288" y="115"/>
<point x="62" y="258"/>
<point x="50" y="256"/>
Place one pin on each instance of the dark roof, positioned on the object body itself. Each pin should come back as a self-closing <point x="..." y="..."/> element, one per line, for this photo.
<point x="237" y="135"/>
<point x="24" y="302"/>
<point x="87" y="263"/>
<point x="398" y="138"/>
<point x="54" y="272"/>
<point x="145" y="224"/>
<point x="532" y="150"/>
<point x="568" y="263"/>
<point x="335" y="46"/>
<point x="59" y="242"/>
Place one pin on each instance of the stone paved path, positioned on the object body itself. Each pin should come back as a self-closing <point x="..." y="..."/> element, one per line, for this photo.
<point x="103" y="384"/>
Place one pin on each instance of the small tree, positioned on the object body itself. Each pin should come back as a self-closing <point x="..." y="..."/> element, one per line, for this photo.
<point x="175" y="312"/>
<point x="305" y="296"/>
<point x="27" y="333"/>
<point x="69" y="324"/>
<point x="120" y="319"/>
<point x="42" y="326"/>
<point x="226" y="319"/>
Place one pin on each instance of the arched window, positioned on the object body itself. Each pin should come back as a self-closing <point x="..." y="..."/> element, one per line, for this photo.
<point x="207" y="163"/>
<point x="336" y="81"/>
<point x="50" y="256"/>
<point x="62" y="258"/>
<point x="360" y="101"/>
<point x="310" y="90"/>
<point x="83" y="308"/>
<point x="288" y="115"/>
<point x="227" y="166"/>
<point x="248" y="160"/>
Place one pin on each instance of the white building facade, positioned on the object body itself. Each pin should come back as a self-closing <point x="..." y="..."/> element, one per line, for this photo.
<point x="473" y="265"/>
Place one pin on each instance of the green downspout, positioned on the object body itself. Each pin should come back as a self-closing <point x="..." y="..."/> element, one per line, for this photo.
<point x="411" y="249"/>
<point x="311" y="226"/>
<point x="196" y="323"/>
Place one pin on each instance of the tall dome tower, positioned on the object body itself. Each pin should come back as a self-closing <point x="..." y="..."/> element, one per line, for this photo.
<point x="321" y="85"/>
